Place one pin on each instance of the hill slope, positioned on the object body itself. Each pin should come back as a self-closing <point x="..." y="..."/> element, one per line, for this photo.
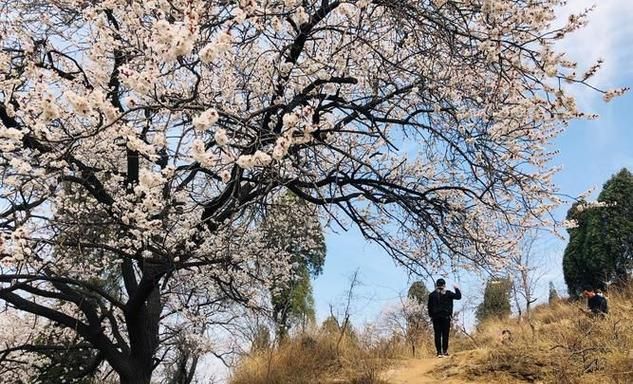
<point x="559" y="344"/>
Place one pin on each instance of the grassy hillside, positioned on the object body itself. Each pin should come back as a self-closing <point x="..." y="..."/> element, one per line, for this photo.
<point x="560" y="344"/>
<point x="326" y="357"/>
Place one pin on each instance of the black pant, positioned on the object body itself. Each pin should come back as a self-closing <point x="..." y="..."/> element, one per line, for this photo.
<point x="441" y="327"/>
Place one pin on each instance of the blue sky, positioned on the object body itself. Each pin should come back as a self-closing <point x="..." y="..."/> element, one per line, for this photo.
<point x="590" y="152"/>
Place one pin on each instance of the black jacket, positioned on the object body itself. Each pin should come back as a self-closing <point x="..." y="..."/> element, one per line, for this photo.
<point x="441" y="305"/>
<point x="598" y="304"/>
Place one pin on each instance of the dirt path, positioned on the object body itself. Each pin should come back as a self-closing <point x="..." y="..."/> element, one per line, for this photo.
<point x="420" y="371"/>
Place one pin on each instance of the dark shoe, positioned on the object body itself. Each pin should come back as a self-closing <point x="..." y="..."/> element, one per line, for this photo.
<point x="445" y="354"/>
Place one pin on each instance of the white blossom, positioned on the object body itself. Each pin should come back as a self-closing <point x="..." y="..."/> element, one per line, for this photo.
<point x="220" y="137"/>
<point x="206" y="119"/>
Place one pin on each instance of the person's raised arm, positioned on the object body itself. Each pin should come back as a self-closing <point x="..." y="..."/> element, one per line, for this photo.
<point x="458" y="293"/>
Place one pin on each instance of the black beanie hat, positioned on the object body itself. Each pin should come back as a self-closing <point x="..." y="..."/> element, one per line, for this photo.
<point x="440" y="283"/>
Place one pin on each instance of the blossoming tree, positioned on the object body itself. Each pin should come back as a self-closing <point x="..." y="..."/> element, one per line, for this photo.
<point x="139" y="138"/>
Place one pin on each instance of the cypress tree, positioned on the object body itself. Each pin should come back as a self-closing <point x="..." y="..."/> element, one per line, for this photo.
<point x="553" y="294"/>
<point x="496" y="302"/>
<point x="600" y="248"/>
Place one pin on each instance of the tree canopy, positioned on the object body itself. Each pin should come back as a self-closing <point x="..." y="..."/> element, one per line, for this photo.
<point x="600" y="248"/>
<point x="496" y="302"/>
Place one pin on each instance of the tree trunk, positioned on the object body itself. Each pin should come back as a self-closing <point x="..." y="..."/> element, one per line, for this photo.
<point x="142" y="317"/>
<point x="137" y="376"/>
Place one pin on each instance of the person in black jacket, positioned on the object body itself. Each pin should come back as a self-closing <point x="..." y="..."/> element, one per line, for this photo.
<point x="441" y="311"/>
<point x="596" y="302"/>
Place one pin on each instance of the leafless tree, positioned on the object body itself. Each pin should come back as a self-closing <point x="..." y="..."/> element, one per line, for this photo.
<point x="526" y="271"/>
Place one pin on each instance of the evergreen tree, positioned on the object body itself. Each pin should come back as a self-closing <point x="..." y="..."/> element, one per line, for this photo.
<point x="553" y="294"/>
<point x="600" y="248"/>
<point x="416" y="316"/>
<point x="496" y="303"/>
<point x="293" y="303"/>
<point x="292" y="226"/>
<point x="418" y="292"/>
<point x="331" y="325"/>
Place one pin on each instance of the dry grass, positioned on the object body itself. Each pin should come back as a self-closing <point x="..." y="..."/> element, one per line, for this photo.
<point x="560" y="344"/>
<point x="315" y="358"/>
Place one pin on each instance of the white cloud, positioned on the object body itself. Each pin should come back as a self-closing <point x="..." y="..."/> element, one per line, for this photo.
<point x="609" y="35"/>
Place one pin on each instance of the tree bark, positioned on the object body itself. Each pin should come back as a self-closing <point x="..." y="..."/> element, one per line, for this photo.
<point x="142" y="315"/>
<point x="137" y="376"/>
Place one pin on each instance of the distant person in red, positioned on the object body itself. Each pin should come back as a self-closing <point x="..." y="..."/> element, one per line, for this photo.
<point x="596" y="302"/>
<point x="441" y="311"/>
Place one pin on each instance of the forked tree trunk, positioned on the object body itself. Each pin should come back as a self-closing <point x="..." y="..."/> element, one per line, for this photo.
<point x="143" y="326"/>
